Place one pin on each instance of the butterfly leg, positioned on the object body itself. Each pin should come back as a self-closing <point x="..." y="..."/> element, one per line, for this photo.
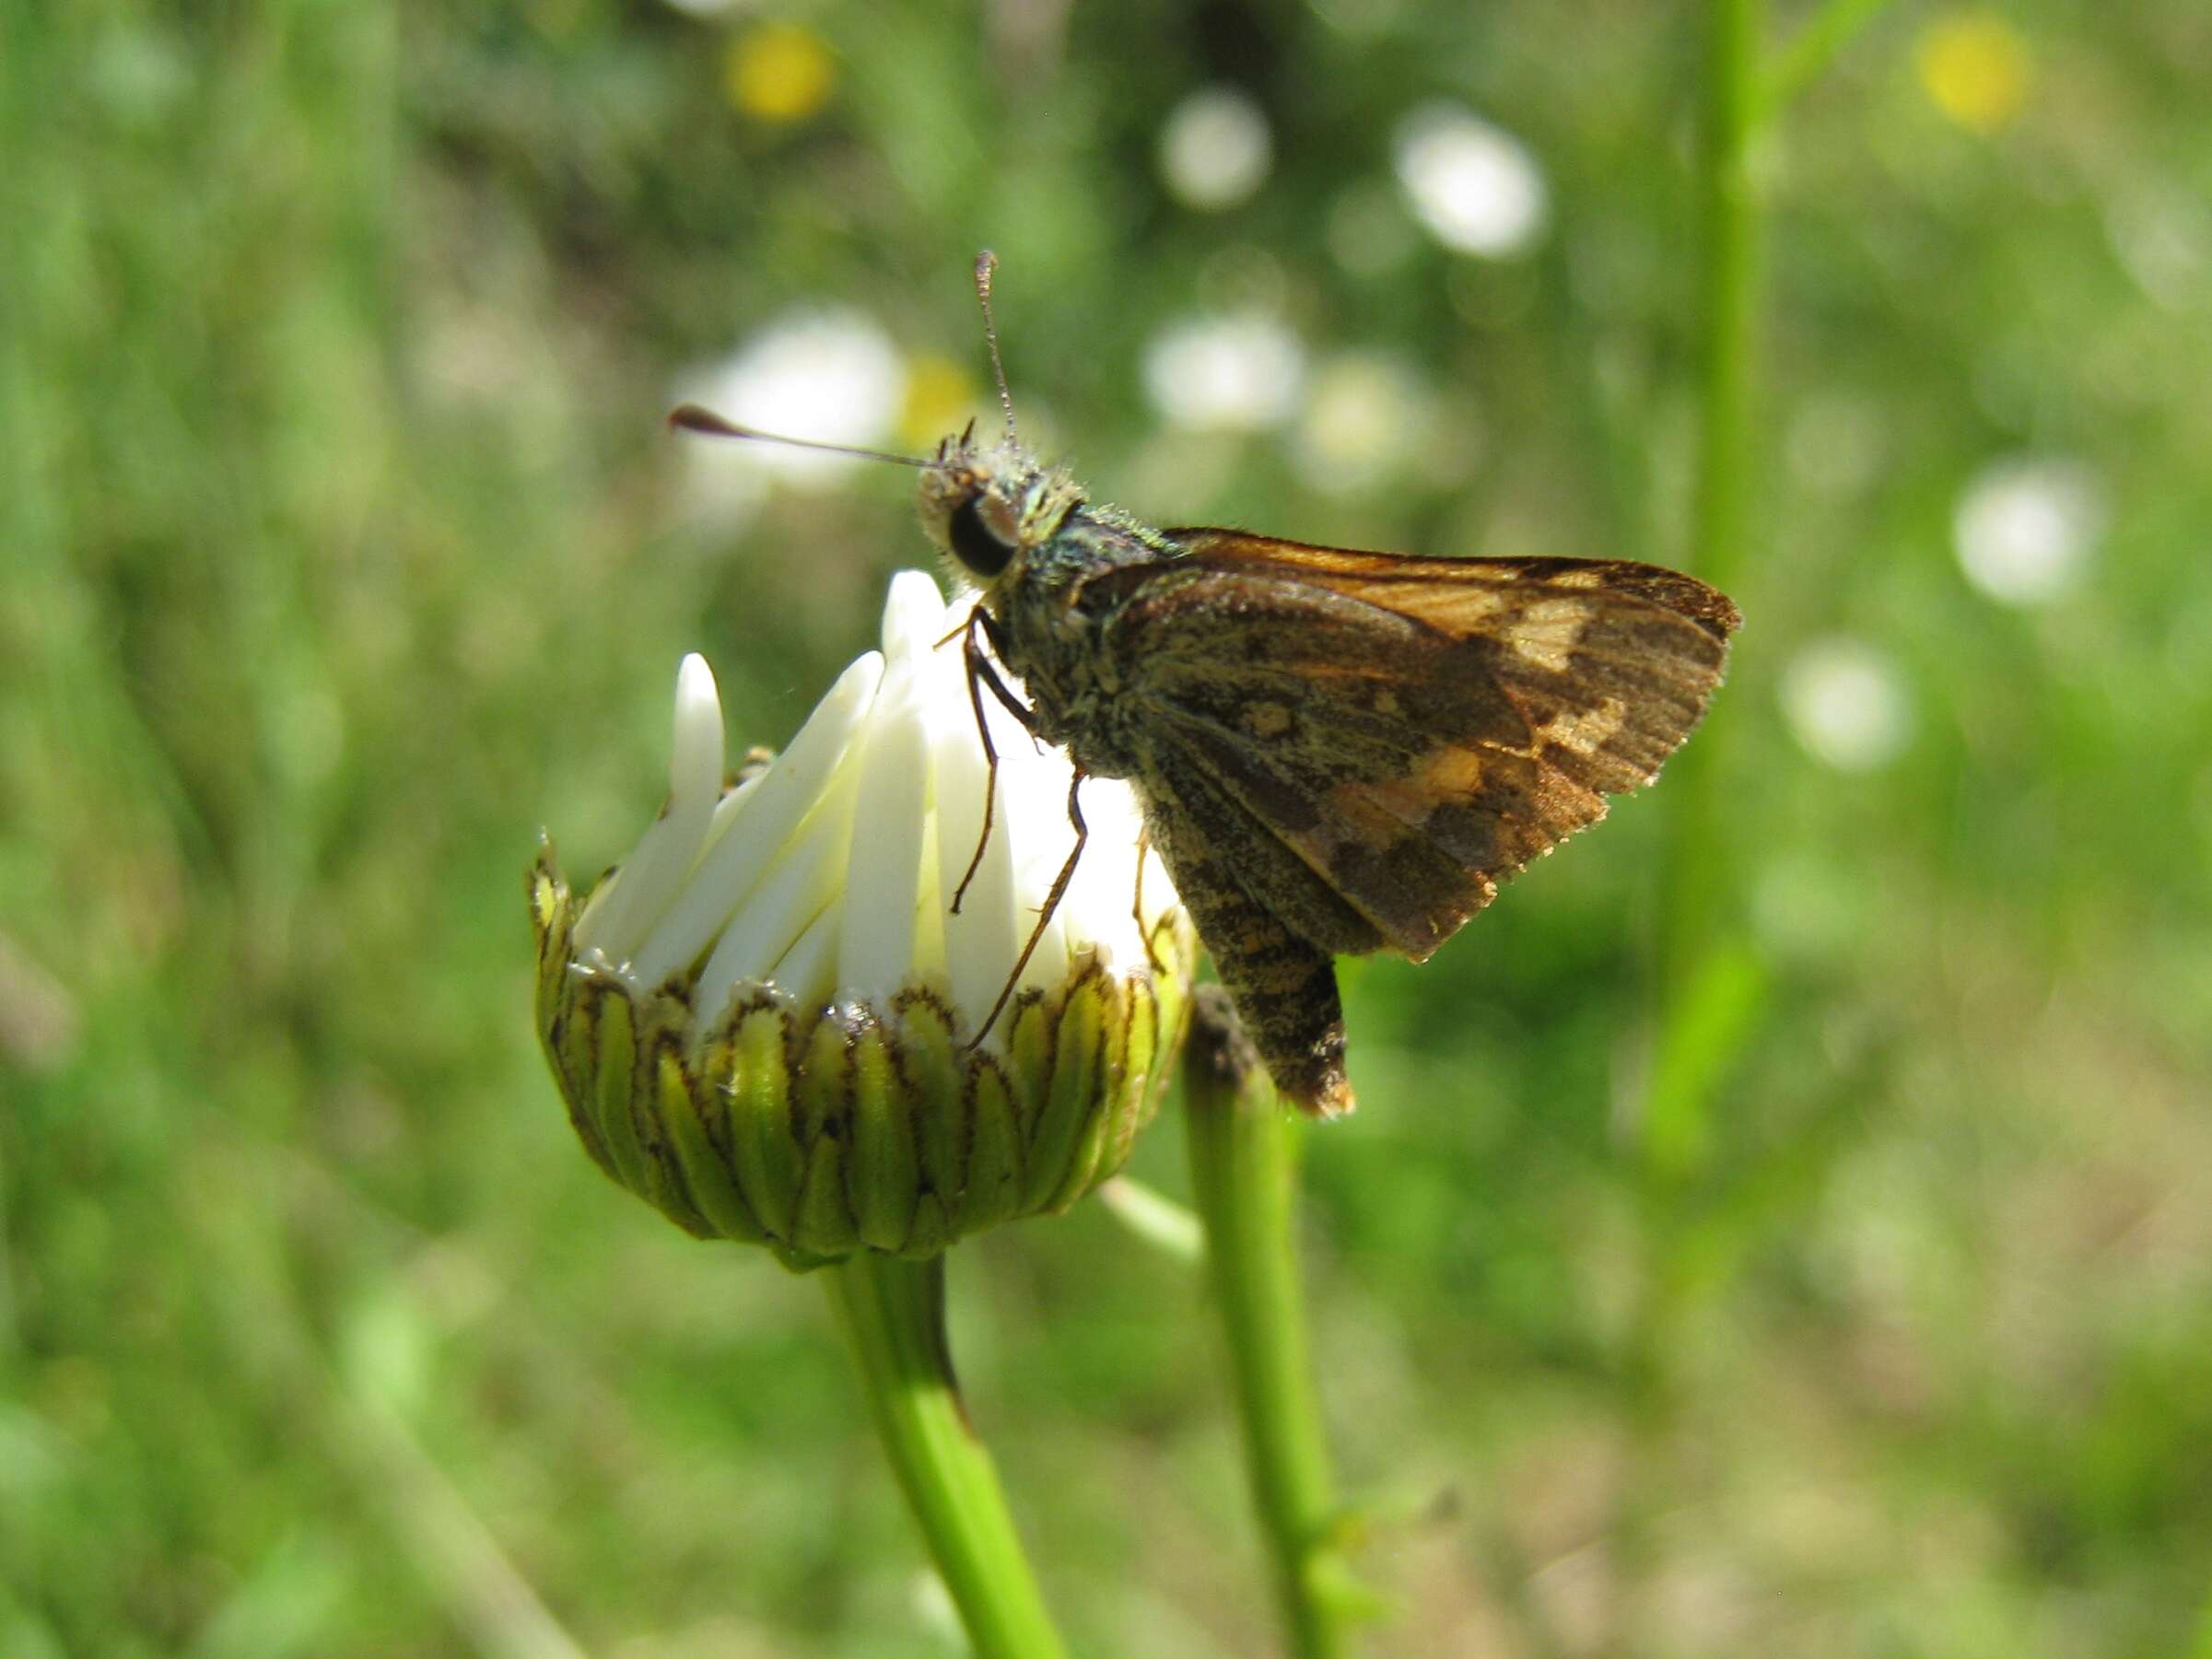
<point x="1144" y="841"/>
<point x="979" y="674"/>
<point x="1044" y="914"/>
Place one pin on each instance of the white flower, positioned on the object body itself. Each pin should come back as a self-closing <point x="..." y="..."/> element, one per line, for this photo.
<point x="1235" y="373"/>
<point x="1366" y="414"/>
<point x="764" y="1023"/>
<point x="2024" y="528"/>
<point x="832" y="375"/>
<point x="1215" y="149"/>
<point x="828" y="875"/>
<point x="1476" y="187"/>
<point x="1846" y="704"/>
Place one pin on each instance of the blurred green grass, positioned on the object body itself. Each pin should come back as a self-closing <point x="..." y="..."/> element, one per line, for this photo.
<point x="344" y="550"/>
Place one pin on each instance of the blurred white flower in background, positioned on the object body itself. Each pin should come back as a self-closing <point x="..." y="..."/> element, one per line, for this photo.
<point x="2025" y="528"/>
<point x="1234" y="373"/>
<point x="1215" y="149"/>
<point x="1366" y="412"/>
<point x="1846" y="703"/>
<point x="1476" y="187"/>
<point x="831" y="375"/>
<point x="710" y="8"/>
<point x="2164" y="238"/>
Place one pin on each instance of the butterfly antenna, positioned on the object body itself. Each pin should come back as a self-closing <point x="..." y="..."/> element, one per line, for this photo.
<point x="690" y="418"/>
<point x="987" y="262"/>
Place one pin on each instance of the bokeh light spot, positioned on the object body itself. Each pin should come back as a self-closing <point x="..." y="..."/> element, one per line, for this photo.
<point x="779" y="73"/>
<point x="1363" y="415"/>
<point x="1475" y="186"/>
<point x="1215" y="149"/>
<point x="1231" y="373"/>
<point x="1975" y="68"/>
<point x="1846" y="704"/>
<point x="832" y="375"/>
<point x="940" y="396"/>
<point x="2024" y="530"/>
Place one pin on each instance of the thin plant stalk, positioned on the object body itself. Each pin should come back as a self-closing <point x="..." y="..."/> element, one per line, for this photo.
<point x="1244" y="1176"/>
<point x="1819" y="40"/>
<point x="1694" y="918"/>
<point x="893" y="1311"/>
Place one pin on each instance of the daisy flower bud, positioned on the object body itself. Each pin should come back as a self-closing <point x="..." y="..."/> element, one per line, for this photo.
<point x="763" y="1021"/>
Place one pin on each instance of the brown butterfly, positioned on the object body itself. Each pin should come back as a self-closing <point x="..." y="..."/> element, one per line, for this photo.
<point x="1335" y="752"/>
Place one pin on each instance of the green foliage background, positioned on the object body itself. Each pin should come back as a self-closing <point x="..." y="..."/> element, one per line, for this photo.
<point x="342" y="551"/>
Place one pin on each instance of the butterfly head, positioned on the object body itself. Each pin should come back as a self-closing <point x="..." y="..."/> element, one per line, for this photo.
<point x="988" y="510"/>
<point x="988" y="507"/>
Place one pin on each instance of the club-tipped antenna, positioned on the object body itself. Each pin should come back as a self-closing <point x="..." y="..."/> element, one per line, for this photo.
<point x="690" y="418"/>
<point x="985" y="263"/>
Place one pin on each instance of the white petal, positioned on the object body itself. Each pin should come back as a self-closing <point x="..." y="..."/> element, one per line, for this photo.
<point x="808" y="970"/>
<point x="980" y="943"/>
<point x="773" y="807"/>
<point x="787" y="898"/>
<point x="665" y="856"/>
<point x="876" y="953"/>
<point x="1035" y="798"/>
<point x="914" y="617"/>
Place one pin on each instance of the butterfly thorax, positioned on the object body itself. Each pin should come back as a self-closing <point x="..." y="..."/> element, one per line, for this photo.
<point x="1024" y="534"/>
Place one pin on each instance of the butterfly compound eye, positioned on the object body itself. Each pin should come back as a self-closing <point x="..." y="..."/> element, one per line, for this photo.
<point x="974" y="542"/>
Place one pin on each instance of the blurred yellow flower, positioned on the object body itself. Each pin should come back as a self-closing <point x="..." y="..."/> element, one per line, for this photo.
<point x="779" y="73"/>
<point x="1974" y="66"/>
<point x="940" y="395"/>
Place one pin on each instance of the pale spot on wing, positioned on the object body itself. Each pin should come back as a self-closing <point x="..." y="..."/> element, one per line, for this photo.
<point x="1459" y="606"/>
<point x="1266" y="720"/>
<point x="1547" y="632"/>
<point x="1585" y="731"/>
<point x="1444" y="775"/>
<point x="1584" y="578"/>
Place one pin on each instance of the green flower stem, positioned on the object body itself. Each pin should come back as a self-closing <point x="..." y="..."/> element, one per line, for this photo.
<point x="893" y="1311"/>
<point x="1694" y="920"/>
<point x="1243" y="1175"/>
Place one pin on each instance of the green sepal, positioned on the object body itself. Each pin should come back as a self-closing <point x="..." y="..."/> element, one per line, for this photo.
<point x="993" y="1188"/>
<point x="748" y="1065"/>
<point x="932" y="1229"/>
<point x="1087" y="1164"/>
<point x="569" y="1041"/>
<point x="1072" y="1099"/>
<point x="822" y="1117"/>
<point x="824" y="1225"/>
<point x="661" y="1022"/>
<point x="553" y="925"/>
<point x="1029" y="1063"/>
<point x="1177" y="942"/>
<point x="885" y="1169"/>
<point x="1141" y="1047"/>
<point x="707" y="1173"/>
<point x="608" y="1033"/>
<point x="942" y="1112"/>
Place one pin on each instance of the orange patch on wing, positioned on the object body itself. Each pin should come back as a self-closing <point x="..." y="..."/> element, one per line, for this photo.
<point x="1442" y="774"/>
